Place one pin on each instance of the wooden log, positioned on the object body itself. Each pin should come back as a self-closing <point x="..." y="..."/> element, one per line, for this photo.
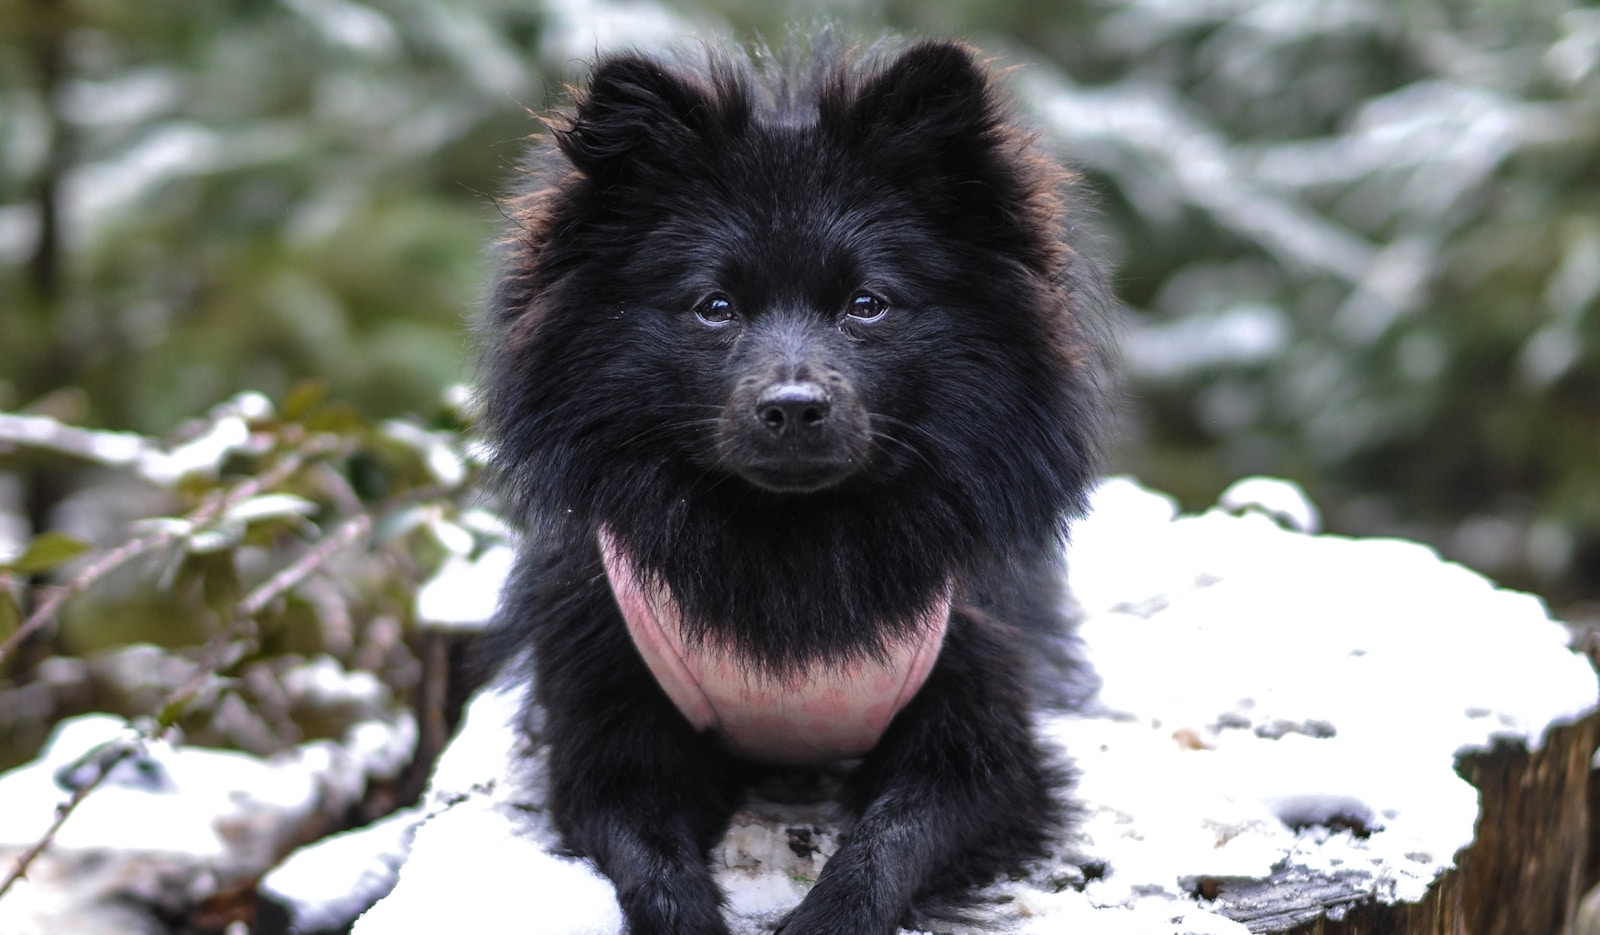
<point x="1522" y="875"/>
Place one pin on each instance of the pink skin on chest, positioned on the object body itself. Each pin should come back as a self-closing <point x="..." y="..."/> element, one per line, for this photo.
<point x="825" y="712"/>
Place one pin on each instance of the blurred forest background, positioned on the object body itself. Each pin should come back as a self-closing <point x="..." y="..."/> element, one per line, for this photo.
<point x="1359" y="241"/>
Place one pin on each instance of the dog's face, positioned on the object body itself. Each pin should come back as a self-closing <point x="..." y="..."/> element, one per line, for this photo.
<point x="794" y="332"/>
<point x="793" y="419"/>
<point x="790" y="324"/>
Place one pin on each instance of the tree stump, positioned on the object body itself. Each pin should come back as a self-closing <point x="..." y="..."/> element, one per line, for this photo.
<point x="1522" y="875"/>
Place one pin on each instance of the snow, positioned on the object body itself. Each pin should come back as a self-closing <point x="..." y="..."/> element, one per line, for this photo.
<point x="511" y="883"/>
<point x="1166" y="159"/>
<point x="95" y="193"/>
<point x="324" y="886"/>
<point x="463" y="593"/>
<point x="1273" y="701"/>
<point x="180" y="800"/>
<point x="490" y="842"/>
<point x="437" y="448"/>
<point x="1280" y="500"/>
<point x="1213" y="633"/>
<point x="355" y="26"/>
<point x="174" y="825"/>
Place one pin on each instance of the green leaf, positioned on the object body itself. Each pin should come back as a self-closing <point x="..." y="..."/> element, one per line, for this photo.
<point x="220" y="535"/>
<point x="10" y="614"/>
<point x="220" y="587"/>
<point x="303" y="399"/>
<point x="336" y="419"/>
<point x="270" y="506"/>
<point x="46" y="552"/>
<point x="400" y="523"/>
<point x="367" y="476"/>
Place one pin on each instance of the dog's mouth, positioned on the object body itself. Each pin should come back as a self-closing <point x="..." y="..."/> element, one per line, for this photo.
<point x="796" y="476"/>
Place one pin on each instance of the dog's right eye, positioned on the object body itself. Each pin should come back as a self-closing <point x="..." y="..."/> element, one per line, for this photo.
<point x="715" y="309"/>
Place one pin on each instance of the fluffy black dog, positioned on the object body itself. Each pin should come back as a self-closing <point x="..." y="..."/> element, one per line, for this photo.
<point x="795" y="382"/>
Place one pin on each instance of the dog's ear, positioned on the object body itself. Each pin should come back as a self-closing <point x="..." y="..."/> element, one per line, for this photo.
<point x="935" y="121"/>
<point x="933" y="93"/>
<point x="635" y="108"/>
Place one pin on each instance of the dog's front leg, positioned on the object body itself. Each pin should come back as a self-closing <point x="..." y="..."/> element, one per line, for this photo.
<point x="632" y="785"/>
<point x="956" y="792"/>
<point x="645" y="800"/>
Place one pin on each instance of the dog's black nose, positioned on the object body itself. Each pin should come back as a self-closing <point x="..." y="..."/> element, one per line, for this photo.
<point x="788" y="409"/>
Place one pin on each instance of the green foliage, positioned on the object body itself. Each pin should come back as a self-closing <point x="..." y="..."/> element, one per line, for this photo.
<point x="243" y="539"/>
<point x="203" y="198"/>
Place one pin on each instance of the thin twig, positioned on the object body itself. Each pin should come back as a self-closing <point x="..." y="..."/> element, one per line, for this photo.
<point x="19" y="868"/>
<point x="217" y="656"/>
<point x="279" y="584"/>
<point x="99" y="568"/>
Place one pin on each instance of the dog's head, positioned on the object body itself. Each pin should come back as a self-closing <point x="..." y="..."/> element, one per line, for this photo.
<point x="792" y="285"/>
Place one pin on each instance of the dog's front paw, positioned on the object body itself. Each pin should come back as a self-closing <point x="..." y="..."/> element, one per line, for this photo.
<point x="685" y="905"/>
<point x="834" y="915"/>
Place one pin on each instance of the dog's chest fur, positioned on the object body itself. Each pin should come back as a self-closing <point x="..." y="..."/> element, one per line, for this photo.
<point x="825" y="712"/>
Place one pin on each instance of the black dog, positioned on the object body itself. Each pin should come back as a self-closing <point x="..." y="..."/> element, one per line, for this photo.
<point x="795" y="382"/>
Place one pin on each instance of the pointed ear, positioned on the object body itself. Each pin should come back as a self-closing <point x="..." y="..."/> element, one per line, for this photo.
<point x="933" y="92"/>
<point x="634" y="108"/>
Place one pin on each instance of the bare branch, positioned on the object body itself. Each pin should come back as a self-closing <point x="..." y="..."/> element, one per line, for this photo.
<point x="99" y="568"/>
<point x="230" y="644"/>
<point x="279" y="584"/>
<point x="19" y="869"/>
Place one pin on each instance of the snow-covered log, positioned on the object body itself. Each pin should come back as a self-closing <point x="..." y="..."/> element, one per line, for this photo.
<point x="1295" y="733"/>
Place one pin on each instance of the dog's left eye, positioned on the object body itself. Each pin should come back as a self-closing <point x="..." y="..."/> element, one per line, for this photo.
<point x="866" y="307"/>
<point x="715" y="310"/>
